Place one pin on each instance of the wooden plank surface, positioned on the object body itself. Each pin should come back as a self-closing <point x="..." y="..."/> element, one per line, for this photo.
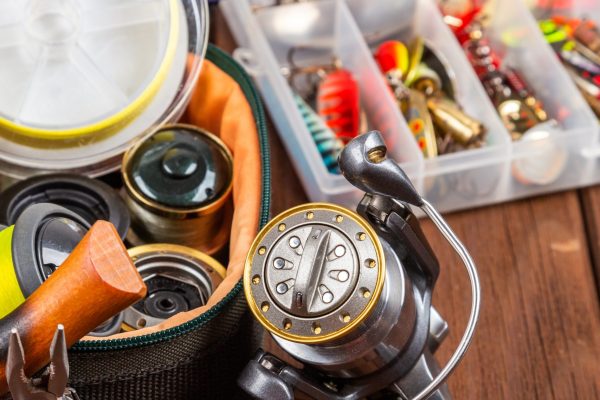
<point x="539" y="332"/>
<point x="538" y="335"/>
<point x="590" y="202"/>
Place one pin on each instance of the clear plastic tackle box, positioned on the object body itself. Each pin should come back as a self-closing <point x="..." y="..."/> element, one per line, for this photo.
<point x="558" y="156"/>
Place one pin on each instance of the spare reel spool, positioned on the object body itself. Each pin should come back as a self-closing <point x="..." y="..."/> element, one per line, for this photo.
<point x="178" y="187"/>
<point x="178" y="278"/>
<point x="89" y="198"/>
<point x="75" y="100"/>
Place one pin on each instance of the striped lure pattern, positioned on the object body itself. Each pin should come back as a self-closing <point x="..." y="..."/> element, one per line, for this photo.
<point x="338" y="103"/>
<point x="328" y="144"/>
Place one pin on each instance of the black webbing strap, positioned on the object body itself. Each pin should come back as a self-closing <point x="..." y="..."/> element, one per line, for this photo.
<point x="202" y="364"/>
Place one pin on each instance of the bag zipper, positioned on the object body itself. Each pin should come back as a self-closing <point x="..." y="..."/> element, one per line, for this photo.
<point x="233" y="69"/>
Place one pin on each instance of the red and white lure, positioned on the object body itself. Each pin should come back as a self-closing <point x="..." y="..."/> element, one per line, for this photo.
<point x="338" y="103"/>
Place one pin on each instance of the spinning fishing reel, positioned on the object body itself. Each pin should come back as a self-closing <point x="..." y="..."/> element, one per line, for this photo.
<point x="349" y="294"/>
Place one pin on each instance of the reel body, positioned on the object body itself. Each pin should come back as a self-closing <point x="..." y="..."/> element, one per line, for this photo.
<point x="349" y="295"/>
<point x="398" y="335"/>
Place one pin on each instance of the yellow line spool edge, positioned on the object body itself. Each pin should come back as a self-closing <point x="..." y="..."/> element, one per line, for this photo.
<point x="10" y="292"/>
<point x="116" y="121"/>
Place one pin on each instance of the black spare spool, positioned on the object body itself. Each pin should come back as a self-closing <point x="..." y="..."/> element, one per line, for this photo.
<point x="92" y="200"/>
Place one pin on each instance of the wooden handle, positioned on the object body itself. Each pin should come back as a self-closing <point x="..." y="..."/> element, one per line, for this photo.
<point x="94" y="283"/>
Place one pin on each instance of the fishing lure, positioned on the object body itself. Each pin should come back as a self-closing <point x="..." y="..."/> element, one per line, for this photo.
<point x="429" y="111"/>
<point x="328" y="144"/>
<point x="561" y="39"/>
<point x="579" y="61"/>
<point x="392" y="55"/>
<point x="587" y="37"/>
<point x="338" y="103"/>
<point x="518" y="108"/>
<point x="395" y="62"/>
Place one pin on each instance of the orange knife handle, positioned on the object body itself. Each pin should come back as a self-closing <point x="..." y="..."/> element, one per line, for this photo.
<point x="95" y="282"/>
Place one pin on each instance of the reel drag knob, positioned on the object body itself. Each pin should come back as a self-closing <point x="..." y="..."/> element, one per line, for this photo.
<point x="314" y="273"/>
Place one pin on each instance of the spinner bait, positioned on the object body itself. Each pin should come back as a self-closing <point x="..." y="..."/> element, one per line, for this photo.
<point x="579" y="61"/>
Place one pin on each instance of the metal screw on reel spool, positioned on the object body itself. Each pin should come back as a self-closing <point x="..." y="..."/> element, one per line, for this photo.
<point x="349" y="295"/>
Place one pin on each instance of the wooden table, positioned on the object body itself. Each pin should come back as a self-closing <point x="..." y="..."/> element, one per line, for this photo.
<point x="539" y="264"/>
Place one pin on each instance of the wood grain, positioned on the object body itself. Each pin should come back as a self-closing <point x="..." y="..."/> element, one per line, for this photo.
<point x="95" y="282"/>
<point x="539" y="334"/>
<point x="590" y="202"/>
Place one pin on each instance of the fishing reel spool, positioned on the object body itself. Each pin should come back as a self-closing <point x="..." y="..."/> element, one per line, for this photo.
<point x="91" y="199"/>
<point x="178" y="278"/>
<point x="349" y="294"/>
<point x="178" y="187"/>
<point x="83" y="80"/>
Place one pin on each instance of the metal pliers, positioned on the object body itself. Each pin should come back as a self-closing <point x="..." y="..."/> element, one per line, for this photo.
<point x="52" y="385"/>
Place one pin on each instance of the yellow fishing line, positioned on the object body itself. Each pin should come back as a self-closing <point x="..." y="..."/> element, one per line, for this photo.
<point x="118" y="120"/>
<point x="10" y="292"/>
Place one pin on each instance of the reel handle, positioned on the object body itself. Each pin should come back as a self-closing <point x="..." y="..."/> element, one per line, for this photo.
<point x="95" y="282"/>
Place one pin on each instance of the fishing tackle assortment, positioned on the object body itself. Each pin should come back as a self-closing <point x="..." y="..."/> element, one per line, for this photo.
<point x="181" y="167"/>
<point x="349" y="295"/>
<point x="423" y="90"/>
<point x="517" y="105"/>
<point x="577" y="44"/>
<point x="91" y="92"/>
